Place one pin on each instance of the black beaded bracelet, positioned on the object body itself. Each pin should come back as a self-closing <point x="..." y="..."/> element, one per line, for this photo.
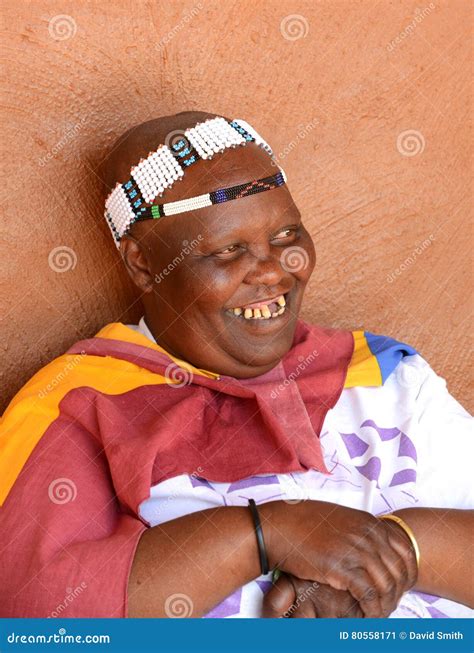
<point x="262" y="552"/>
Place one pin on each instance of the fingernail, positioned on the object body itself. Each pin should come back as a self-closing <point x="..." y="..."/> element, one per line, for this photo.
<point x="276" y="575"/>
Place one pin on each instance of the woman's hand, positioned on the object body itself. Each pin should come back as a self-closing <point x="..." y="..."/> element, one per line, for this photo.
<point x="348" y="549"/>
<point x="293" y="598"/>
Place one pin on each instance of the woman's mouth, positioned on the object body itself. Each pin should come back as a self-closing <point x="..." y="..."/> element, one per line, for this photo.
<point x="264" y="310"/>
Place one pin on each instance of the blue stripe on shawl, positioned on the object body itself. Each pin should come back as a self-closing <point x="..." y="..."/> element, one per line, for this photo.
<point x="388" y="352"/>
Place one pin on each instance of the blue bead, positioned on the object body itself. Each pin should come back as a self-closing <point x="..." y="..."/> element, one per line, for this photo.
<point x="179" y="145"/>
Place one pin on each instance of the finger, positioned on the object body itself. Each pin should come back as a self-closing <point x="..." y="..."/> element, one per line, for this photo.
<point x="392" y="572"/>
<point x="308" y="598"/>
<point x="302" y="589"/>
<point x="364" y="574"/>
<point x="399" y="570"/>
<point x="349" y="608"/>
<point x="401" y="543"/>
<point x="363" y="589"/>
<point x="371" y="580"/>
<point x="387" y="569"/>
<point x="333" y="604"/>
<point x="353" y="611"/>
<point x="304" y="610"/>
<point x="384" y="581"/>
<point x="402" y="546"/>
<point x="400" y="551"/>
<point x="279" y="598"/>
<point x="390" y="582"/>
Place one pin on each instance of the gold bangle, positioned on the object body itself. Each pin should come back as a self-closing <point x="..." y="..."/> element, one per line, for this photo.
<point x="408" y="531"/>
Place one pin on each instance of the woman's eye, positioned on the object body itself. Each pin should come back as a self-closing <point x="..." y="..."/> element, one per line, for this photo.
<point x="227" y="252"/>
<point x="285" y="233"/>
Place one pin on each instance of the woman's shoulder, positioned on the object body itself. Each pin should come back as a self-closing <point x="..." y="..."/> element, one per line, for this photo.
<point x="376" y="357"/>
<point x="373" y="357"/>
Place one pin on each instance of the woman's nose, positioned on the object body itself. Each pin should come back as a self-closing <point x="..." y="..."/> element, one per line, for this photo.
<point x="266" y="270"/>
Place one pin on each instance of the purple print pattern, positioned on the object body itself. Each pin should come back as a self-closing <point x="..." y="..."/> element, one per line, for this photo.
<point x="382" y="458"/>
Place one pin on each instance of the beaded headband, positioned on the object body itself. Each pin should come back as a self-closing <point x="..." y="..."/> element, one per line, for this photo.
<point x="133" y="200"/>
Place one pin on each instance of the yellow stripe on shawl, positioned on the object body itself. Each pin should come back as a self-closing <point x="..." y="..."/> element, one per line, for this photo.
<point x="363" y="369"/>
<point x="35" y="407"/>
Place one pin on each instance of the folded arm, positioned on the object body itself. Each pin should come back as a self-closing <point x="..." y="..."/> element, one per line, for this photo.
<point x="445" y="539"/>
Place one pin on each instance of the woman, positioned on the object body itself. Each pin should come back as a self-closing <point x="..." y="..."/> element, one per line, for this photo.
<point x="164" y="437"/>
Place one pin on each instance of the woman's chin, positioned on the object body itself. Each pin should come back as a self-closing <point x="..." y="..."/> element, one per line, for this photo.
<point x="262" y="356"/>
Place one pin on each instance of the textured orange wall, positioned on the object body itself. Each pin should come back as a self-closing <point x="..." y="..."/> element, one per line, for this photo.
<point x="367" y="102"/>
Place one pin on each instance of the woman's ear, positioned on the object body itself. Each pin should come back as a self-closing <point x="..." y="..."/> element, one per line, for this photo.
<point x="136" y="262"/>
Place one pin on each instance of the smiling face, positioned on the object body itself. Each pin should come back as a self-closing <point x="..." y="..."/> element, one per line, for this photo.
<point x="209" y="276"/>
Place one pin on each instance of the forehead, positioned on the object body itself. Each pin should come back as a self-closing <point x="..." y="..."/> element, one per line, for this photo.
<point x="248" y="218"/>
<point x="232" y="167"/>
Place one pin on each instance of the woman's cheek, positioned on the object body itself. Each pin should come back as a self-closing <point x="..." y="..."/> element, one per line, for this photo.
<point x="307" y="270"/>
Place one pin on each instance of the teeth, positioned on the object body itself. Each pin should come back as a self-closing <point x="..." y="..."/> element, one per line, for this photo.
<point x="262" y="313"/>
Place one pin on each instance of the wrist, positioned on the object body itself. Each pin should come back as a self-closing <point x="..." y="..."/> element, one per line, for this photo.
<point x="272" y="522"/>
<point x="397" y="520"/>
